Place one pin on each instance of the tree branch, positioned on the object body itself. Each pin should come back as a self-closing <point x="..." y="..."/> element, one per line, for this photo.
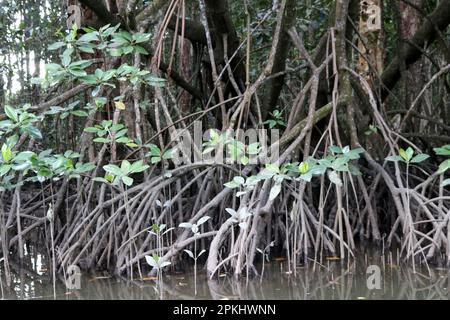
<point x="102" y="12"/>
<point x="193" y="31"/>
<point x="436" y="22"/>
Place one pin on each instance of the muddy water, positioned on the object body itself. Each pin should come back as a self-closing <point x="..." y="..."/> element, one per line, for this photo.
<point x="330" y="280"/>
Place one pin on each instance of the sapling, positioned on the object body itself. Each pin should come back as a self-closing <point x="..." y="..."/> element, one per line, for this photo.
<point x="156" y="262"/>
<point x="50" y="218"/>
<point x="239" y="216"/>
<point x="265" y="256"/>
<point x="194" y="227"/>
<point x="407" y="156"/>
<point x="277" y="119"/>
<point x="1" y="281"/>
<point x="157" y="230"/>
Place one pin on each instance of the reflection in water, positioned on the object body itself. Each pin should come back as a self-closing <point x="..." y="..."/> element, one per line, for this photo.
<point x="331" y="280"/>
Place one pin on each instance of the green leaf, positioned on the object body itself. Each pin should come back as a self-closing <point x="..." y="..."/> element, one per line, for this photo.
<point x="165" y="264"/>
<point x="127" y="181"/>
<point x="152" y="261"/>
<point x="189" y="252"/>
<point x="214" y="136"/>
<point x="102" y="132"/>
<point x="154" y="150"/>
<point x="420" y="158"/>
<point x="5" y="124"/>
<point x="245" y="160"/>
<point x="318" y="169"/>
<point x="445" y="183"/>
<point x="4" y="169"/>
<point x="155" y="160"/>
<point x="66" y="58"/>
<point x="6" y="153"/>
<point x="79" y="113"/>
<point x="354" y="170"/>
<point x="88" y="48"/>
<point x="406" y="154"/>
<point x="235" y="183"/>
<point x="444" y="166"/>
<point x="141" y="50"/>
<point x="52" y="67"/>
<point x="117" y="52"/>
<point x="125" y="167"/>
<point x="21" y="166"/>
<point x="274" y="191"/>
<point x="443" y="151"/>
<point x="76" y="72"/>
<point x="102" y="140"/>
<point x="355" y="153"/>
<point x="334" y="178"/>
<point x="403" y="154"/>
<point x="88" y="37"/>
<point x="271" y="123"/>
<point x="123" y="140"/>
<point x="141" y="37"/>
<point x="85" y="167"/>
<point x="306" y="177"/>
<point x="239" y="180"/>
<point x="12" y="113"/>
<point x="410" y="153"/>
<point x="127" y="49"/>
<point x="185" y="225"/>
<point x="303" y="167"/>
<point x="272" y="168"/>
<point x="167" y="155"/>
<point x="340" y="164"/>
<point x="34" y="132"/>
<point x="91" y="130"/>
<point x="113" y="169"/>
<point x="394" y="158"/>
<point x="335" y="149"/>
<point x="109" y="177"/>
<point x="120" y="105"/>
<point x="231" y="185"/>
<point x="23" y="156"/>
<point x="56" y="45"/>
<point x="132" y="145"/>
<point x="202" y="220"/>
<point x="44" y="172"/>
<point x="138" y="167"/>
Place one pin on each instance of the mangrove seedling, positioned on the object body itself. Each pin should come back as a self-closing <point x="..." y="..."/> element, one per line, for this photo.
<point x="194" y="227"/>
<point x="158" y="231"/>
<point x="239" y="216"/>
<point x="157" y="263"/>
<point x="265" y="256"/>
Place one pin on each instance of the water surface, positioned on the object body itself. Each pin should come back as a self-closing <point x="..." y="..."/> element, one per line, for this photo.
<point x="330" y="280"/>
